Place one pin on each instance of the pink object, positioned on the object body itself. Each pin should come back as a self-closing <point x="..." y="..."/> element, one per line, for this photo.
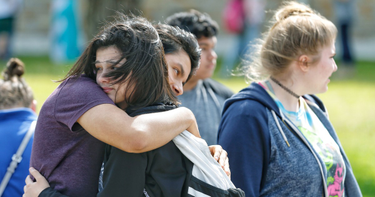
<point x="233" y="16"/>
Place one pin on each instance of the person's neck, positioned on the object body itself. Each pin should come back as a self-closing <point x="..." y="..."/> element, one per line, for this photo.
<point x="191" y="84"/>
<point x="290" y="102"/>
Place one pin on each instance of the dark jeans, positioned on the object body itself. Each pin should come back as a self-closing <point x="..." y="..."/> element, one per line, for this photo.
<point x="346" y="43"/>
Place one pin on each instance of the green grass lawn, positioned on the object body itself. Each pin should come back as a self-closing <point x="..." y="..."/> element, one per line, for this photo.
<point x="350" y="104"/>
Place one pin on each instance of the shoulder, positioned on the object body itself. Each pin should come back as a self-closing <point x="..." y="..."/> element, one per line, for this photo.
<point x="74" y="97"/>
<point x="245" y="104"/>
<point x="247" y="107"/>
<point x="244" y="115"/>
<point x="218" y="88"/>
<point x="81" y="88"/>
<point x="79" y="83"/>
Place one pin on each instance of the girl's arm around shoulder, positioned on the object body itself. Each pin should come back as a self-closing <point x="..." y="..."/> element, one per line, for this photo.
<point x="138" y="134"/>
<point x="82" y="100"/>
<point x="244" y="134"/>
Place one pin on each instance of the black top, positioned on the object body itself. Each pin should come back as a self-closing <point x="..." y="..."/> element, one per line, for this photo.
<point x="161" y="172"/>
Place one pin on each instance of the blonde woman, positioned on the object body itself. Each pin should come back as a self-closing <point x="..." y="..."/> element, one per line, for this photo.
<point x="276" y="132"/>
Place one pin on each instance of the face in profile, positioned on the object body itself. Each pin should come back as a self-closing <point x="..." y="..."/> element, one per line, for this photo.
<point x="106" y="58"/>
<point x="318" y="75"/>
<point x="179" y="68"/>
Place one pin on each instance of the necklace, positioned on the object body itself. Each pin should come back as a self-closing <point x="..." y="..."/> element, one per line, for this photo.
<point x="285" y="88"/>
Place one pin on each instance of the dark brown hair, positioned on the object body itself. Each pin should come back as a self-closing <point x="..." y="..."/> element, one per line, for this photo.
<point x="145" y="64"/>
<point x="199" y="24"/>
<point x="175" y="39"/>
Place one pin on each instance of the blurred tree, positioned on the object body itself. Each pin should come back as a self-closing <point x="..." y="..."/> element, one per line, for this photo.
<point x="98" y="11"/>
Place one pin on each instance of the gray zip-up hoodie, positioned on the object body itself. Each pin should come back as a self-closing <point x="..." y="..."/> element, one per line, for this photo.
<point x="267" y="153"/>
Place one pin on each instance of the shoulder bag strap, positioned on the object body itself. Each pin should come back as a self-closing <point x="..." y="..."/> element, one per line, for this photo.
<point x="16" y="158"/>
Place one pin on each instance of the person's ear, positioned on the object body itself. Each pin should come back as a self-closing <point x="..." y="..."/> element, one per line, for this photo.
<point x="33" y="105"/>
<point x="303" y="63"/>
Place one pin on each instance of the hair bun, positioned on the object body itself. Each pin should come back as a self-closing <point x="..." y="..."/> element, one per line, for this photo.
<point x="291" y="8"/>
<point x="15" y="67"/>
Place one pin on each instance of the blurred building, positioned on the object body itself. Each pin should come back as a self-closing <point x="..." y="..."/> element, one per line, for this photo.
<point x="33" y="27"/>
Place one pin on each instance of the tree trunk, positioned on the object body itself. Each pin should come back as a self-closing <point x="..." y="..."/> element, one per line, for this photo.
<point x="100" y="11"/>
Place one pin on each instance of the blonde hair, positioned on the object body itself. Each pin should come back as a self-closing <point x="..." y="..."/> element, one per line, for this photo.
<point x="296" y="30"/>
<point x="14" y="92"/>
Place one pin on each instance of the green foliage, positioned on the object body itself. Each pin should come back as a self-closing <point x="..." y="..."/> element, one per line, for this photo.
<point x="350" y="104"/>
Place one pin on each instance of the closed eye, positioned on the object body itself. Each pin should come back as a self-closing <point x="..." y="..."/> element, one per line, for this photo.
<point x="97" y="68"/>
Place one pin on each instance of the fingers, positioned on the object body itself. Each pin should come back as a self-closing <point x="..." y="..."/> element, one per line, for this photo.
<point x="224" y="162"/>
<point x="226" y="167"/>
<point x="28" y="180"/>
<point x="34" y="188"/>
<point x="215" y="151"/>
<point x="223" y="157"/>
<point x="217" y="155"/>
<point x="35" y="173"/>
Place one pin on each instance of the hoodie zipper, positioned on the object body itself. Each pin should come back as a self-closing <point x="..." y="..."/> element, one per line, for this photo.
<point x="296" y="130"/>
<point x="281" y="131"/>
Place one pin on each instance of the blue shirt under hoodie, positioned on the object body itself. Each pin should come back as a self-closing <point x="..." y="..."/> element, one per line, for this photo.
<point x="256" y="136"/>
